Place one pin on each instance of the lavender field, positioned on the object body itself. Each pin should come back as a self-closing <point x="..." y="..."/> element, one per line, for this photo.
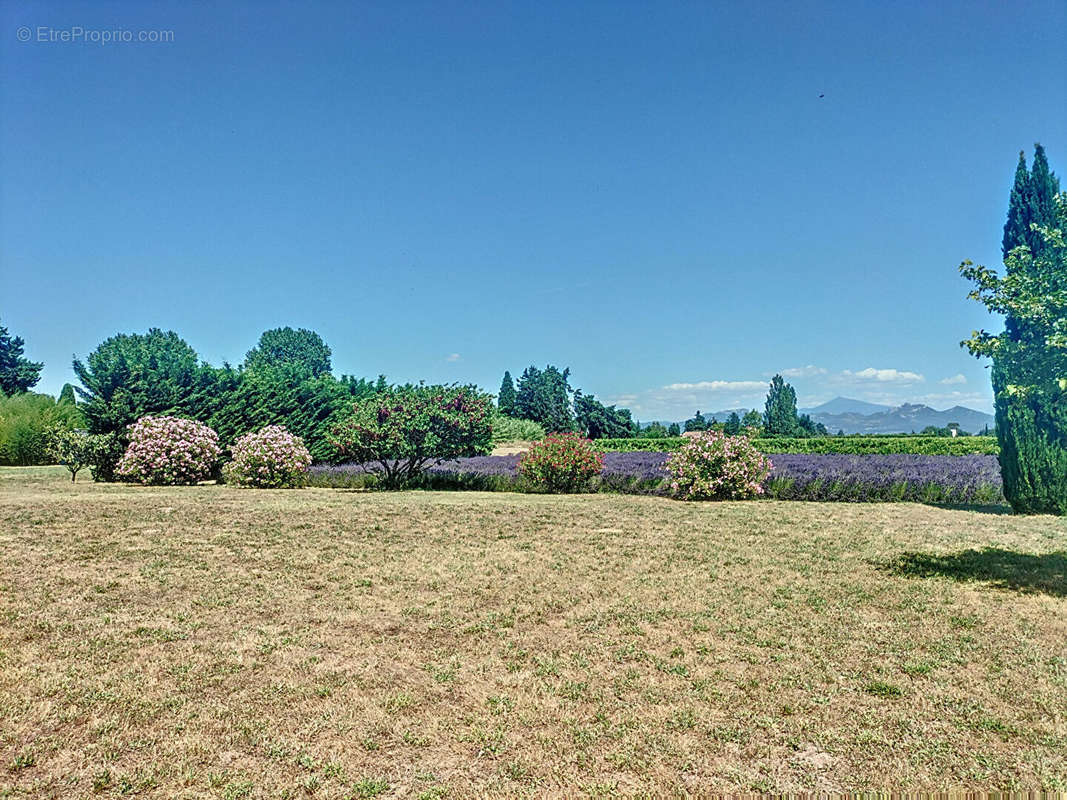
<point x="971" y="479"/>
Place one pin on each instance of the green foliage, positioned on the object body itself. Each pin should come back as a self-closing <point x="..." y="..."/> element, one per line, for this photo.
<point x="405" y="429"/>
<point x="544" y="396"/>
<point x="714" y="466"/>
<point x="598" y="421"/>
<point x="288" y="395"/>
<point x="656" y="431"/>
<point x="66" y="395"/>
<point x="71" y="448"/>
<point x="849" y="445"/>
<point x="26" y="424"/>
<point x="17" y="373"/>
<point x="1030" y="355"/>
<point x="506" y="400"/>
<point x="732" y="426"/>
<point x="284" y="347"/>
<point x="510" y="429"/>
<point x="697" y="423"/>
<point x="780" y="415"/>
<point x="130" y="376"/>
<point x="752" y="420"/>
<point x="562" y="463"/>
<point x="105" y="452"/>
<point x="674" y="429"/>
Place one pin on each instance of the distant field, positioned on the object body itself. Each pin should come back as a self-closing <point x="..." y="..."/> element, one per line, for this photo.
<point x="844" y="445"/>
<point x="211" y="641"/>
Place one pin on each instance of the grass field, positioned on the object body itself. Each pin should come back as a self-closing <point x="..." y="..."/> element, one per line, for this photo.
<point x="210" y="641"/>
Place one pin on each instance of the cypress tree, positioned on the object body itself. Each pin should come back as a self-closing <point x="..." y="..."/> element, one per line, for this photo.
<point x="1044" y="186"/>
<point x="1017" y="225"/>
<point x="506" y="399"/>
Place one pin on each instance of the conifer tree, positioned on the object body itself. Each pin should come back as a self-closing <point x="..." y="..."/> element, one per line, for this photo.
<point x="505" y="401"/>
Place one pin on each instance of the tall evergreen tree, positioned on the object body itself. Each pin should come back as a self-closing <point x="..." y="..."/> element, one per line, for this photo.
<point x="17" y="374"/>
<point x="1017" y="225"/>
<point x="505" y="401"/>
<point x="66" y="395"/>
<point x="733" y="424"/>
<point x="780" y="415"/>
<point x="1044" y="186"/>
<point x="544" y="396"/>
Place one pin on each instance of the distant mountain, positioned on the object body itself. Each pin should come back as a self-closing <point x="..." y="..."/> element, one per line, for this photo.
<point x="904" y="419"/>
<point x="845" y="405"/>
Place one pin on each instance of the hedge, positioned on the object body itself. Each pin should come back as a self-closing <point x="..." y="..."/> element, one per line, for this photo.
<point x="845" y="445"/>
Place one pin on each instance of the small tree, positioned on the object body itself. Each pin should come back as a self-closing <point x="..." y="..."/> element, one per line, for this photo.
<point x="674" y="429"/>
<point x="72" y="449"/>
<point x="403" y="430"/>
<point x="780" y="417"/>
<point x="506" y="401"/>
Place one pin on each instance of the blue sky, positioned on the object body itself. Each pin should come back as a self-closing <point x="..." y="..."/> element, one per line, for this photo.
<point x="653" y="194"/>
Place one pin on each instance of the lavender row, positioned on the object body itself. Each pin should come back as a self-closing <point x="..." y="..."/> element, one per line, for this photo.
<point x="853" y="478"/>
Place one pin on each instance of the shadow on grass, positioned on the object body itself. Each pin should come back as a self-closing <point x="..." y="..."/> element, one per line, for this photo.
<point x="1004" y="569"/>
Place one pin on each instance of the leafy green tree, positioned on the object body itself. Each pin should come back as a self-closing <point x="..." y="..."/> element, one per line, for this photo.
<point x="598" y="421"/>
<point x="752" y="419"/>
<point x="696" y="423"/>
<point x="544" y="396"/>
<point x="66" y="395"/>
<point x="780" y="415"/>
<point x="732" y="426"/>
<point x="655" y="431"/>
<point x="404" y="430"/>
<point x="17" y="373"/>
<point x="506" y="400"/>
<point x="810" y="427"/>
<point x="131" y="375"/>
<point x="674" y="429"/>
<point x="73" y="449"/>
<point x="285" y="346"/>
<point x="1029" y="366"/>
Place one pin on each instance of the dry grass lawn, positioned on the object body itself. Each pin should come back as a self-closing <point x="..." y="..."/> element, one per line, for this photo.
<point x="210" y="641"/>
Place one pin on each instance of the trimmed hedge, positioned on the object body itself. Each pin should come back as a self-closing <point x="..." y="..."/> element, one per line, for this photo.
<point x="844" y="445"/>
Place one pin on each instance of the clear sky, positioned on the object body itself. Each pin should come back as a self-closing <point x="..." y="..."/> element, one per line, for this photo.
<point x="653" y="194"/>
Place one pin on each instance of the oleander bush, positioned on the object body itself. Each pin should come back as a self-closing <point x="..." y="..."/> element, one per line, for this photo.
<point x="714" y="466"/>
<point x="271" y="458"/>
<point x="562" y="463"/>
<point x="842" y="445"/>
<point x="169" y="451"/>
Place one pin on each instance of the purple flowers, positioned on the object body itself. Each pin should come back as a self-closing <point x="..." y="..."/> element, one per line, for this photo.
<point x="851" y="478"/>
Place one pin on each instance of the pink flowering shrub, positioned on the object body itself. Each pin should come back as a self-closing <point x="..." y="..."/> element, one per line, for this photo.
<point x="714" y="466"/>
<point x="561" y="463"/>
<point x="273" y="458"/>
<point x="169" y="451"/>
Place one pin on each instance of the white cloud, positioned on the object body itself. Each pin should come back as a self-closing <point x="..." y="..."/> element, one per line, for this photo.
<point x="716" y="386"/>
<point x="810" y="371"/>
<point x="954" y="380"/>
<point x="453" y="357"/>
<point x="884" y="375"/>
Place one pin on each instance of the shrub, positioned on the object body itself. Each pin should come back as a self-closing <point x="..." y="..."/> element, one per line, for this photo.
<point x="272" y="458"/>
<point x="509" y="429"/>
<point x="169" y="451"/>
<point x="26" y="423"/>
<point x="401" y="430"/>
<point x="562" y="463"/>
<point x="714" y="466"/>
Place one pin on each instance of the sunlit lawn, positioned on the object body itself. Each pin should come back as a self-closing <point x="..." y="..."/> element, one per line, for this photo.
<point x="209" y="641"/>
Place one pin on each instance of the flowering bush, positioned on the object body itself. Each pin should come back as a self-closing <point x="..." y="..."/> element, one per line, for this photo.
<point x="271" y="459"/>
<point x="714" y="466"/>
<point x="562" y="462"/>
<point x="169" y="451"/>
